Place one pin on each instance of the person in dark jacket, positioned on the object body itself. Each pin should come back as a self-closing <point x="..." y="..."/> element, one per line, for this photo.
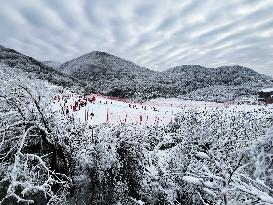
<point x="67" y="111"/>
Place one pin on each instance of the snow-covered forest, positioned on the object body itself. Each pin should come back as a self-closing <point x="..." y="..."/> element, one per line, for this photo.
<point x="212" y="155"/>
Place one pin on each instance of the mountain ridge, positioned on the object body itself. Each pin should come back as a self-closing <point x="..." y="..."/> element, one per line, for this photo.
<point x="108" y="74"/>
<point x="113" y="75"/>
<point x="97" y="58"/>
<point x="15" y="59"/>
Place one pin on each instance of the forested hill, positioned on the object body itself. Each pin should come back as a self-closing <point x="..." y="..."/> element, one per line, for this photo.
<point x="108" y="74"/>
<point x="112" y="75"/>
<point x="34" y="68"/>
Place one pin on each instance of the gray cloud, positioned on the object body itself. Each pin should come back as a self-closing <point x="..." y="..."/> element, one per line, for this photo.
<point x="155" y="34"/>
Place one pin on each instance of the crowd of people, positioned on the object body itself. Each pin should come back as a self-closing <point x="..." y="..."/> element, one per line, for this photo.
<point x="77" y="105"/>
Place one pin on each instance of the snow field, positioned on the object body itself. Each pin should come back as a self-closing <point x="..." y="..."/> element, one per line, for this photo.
<point x="154" y="112"/>
<point x="115" y="112"/>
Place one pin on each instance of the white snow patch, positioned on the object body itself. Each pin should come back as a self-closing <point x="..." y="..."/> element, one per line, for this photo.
<point x="192" y="180"/>
<point x="266" y="90"/>
<point x="202" y="155"/>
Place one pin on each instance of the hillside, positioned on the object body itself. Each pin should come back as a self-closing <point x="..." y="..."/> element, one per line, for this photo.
<point x="216" y="84"/>
<point x="100" y="59"/>
<point x="108" y="74"/>
<point x="225" y="75"/>
<point x="34" y="68"/>
<point x="115" y="76"/>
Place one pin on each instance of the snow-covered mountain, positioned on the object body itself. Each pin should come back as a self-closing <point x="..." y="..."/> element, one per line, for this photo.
<point x="100" y="59"/>
<point x="34" y="68"/>
<point x="111" y="75"/>
<point x="216" y="84"/>
<point x="225" y="75"/>
<point x="115" y="76"/>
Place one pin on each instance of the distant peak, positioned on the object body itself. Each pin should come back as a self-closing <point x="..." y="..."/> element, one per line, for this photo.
<point x="99" y="53"/>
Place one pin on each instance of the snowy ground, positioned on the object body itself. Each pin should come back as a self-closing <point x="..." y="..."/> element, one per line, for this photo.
<point x="159" y="111"/>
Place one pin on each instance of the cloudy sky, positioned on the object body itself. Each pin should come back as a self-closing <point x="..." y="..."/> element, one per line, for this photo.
<point x="157" y="34"/>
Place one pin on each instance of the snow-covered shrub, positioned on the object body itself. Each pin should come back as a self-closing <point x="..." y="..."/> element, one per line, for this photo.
<point x="34" y="159"/>
<point x="227" y="168"/>
<point x="200" y="158"/>
<point x="110" y="165"/>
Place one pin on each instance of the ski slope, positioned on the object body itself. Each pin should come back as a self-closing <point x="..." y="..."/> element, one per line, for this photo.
<point x="159" y="111"/>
